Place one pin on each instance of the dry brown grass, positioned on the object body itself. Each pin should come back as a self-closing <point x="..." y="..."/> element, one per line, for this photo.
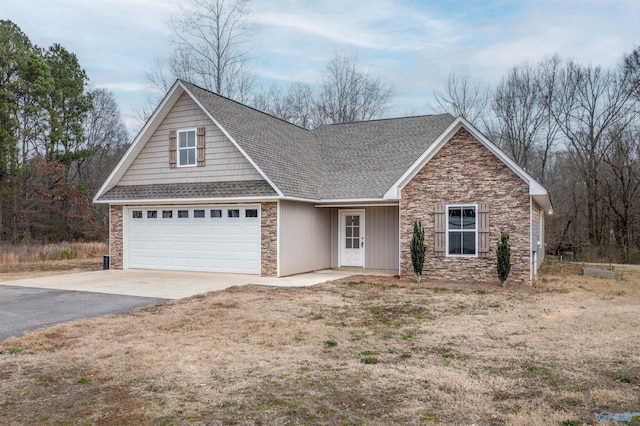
<point x="30" y="253"/>
<point x="366" y="350"/>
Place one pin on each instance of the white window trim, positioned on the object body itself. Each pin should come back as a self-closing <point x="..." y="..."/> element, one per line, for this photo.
<point x="475" y="206"/>
<point x="195" y="147"/>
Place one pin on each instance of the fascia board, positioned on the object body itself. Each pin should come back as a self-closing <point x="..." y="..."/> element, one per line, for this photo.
<point x="233" y="141"/>
<point x="156" y="201"/>
<point x="136" y="146"/>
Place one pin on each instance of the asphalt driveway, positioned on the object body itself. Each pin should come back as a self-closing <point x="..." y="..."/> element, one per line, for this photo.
<point x="24" y="309"/>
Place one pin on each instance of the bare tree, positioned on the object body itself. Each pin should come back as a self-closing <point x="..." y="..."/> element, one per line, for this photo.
<point x="590" y="104"/>
<point x="622" y="186"/>
<point x="349" y="94"/>
<point x="297" y="105"/>
<point x="523" y="127"/>
<point x="212" y="38"/>
<point x="463" y="97"/>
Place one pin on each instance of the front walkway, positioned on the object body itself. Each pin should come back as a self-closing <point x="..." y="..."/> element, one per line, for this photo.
<point x="174" y="284"/>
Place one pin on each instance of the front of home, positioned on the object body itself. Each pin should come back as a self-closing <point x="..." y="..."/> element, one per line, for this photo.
<point x="213" y="185"/>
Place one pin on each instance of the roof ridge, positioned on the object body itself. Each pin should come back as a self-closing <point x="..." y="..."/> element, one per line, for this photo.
<point x="387" y="119"/>
<point x="242" y="104"/>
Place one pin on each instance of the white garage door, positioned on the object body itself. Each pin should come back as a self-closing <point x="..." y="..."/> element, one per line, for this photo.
<point x="211" y="238"/>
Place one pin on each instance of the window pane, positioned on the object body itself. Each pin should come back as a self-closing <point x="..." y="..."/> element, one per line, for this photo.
<point x="356" y="243"/>
<point x="152" y="214"/>
<point x="469" y="218"/>
<point x="356" y="220"/>
<point x="137" y="214"/>
<point x="468" y="243"/>
<point x="216" y="213"/>
<point x="251" y="213"/>
<point x="198" y="213"/>
<point x="348" y="241"/>
<point x="167" y="214"/>
<point x="184" y="157"/>
<point x="233" y="213"/>
<point x="191" y="138"/>
<point x="356" y="231"/>
<point x="455" y="217"/>
<point x="455" y="243"/>
<point x="191" y="158"/>
<point x="182" y="139"/>
<point x="349" y="232"/>
<point x="183" y="214"/>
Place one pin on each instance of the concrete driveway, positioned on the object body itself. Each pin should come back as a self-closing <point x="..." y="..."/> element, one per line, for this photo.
<point x="167" y="284"/>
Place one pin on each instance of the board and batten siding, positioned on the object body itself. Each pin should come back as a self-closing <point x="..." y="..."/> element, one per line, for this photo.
<point x="381" y="237"/>
<point x="223" y="161"/>
<point x="305" y="238"/>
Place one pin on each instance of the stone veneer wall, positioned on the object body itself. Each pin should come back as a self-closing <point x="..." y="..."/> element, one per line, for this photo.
<point x="462" y="172"/>
<point x="269" y="239"/>
<point x="115" y="237"/>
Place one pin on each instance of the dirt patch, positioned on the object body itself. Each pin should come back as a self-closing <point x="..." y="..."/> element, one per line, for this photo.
<point x="364" y="350"/>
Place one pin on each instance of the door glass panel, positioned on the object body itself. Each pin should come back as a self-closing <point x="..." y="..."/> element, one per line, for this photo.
<point x="356" y="220"/>
<point x="356" y="232"/>
<point x="348" y="243"/>
<point x="349" y="231"/>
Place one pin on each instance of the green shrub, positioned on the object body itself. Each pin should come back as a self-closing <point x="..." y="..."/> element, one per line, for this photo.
<point x="418" y="249"/>
<point x="503" y="253"/>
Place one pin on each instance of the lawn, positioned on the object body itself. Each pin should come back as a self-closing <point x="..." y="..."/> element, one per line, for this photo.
<point x="364" y="350"/>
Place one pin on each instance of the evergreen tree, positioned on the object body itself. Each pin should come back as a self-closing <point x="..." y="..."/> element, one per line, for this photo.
<point x="504" y="258"/>
<point x="418" y="249"/>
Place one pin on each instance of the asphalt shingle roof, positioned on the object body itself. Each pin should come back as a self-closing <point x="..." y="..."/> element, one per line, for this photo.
<point x="286" y="153"/>
<point x="363" y="159"/>
<point x="248" y="188"/>
<point x="337" y="161"/>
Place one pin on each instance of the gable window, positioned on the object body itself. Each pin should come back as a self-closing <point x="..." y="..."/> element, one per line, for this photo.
<point x="186" y="148"/>
<point x="461" y="231"/>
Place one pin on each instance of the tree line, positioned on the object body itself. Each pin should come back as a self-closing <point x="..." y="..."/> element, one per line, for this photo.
<point x="576" y="128"/>
<point x="59" y="139"/>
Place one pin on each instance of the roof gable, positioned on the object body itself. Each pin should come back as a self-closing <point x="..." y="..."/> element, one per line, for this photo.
<point x="536" y="189"/>
<point x="177" y="91"/>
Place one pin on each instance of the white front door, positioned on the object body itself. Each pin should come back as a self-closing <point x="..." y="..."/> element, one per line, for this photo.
<point x="351" y="238"/>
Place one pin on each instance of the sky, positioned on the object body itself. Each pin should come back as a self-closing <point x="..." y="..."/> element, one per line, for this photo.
<point x="412" y="45"/>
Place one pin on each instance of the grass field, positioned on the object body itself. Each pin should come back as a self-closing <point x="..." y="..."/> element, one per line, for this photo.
<point x="365" y="350"/>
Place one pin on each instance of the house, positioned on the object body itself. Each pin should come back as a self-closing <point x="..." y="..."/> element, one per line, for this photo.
<point x="210" y="184"/>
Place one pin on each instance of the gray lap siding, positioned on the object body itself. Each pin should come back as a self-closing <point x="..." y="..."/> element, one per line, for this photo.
<point x="465" y="172"/>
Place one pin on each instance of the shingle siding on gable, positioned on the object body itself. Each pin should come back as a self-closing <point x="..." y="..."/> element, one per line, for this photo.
<point x="223" y="161"/>
<point x="462" y="172"/>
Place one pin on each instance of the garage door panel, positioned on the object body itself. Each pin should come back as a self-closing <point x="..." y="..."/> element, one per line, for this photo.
<point x="218" y="244"/>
